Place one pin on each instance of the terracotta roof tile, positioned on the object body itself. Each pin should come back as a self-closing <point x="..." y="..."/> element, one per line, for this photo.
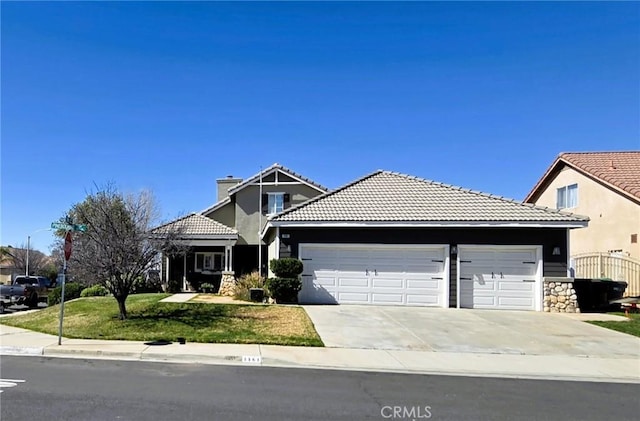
<point x="620" y="169"/>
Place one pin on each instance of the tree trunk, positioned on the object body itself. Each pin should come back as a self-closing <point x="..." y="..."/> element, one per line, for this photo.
<point x="122" y="307"/>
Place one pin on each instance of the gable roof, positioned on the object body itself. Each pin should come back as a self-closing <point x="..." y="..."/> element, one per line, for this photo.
<point x="216" y="206"/>
<point x="271" y="169"/>
<point x="196" y="225"/>
<point x="389" y="198"/>
<point x="618" y="170"/>
<point x="256" y="178"/>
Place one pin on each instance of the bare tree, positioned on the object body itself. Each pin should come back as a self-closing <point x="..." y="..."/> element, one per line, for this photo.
<point x="37" y="259"/>
<point x="117" y="249"/>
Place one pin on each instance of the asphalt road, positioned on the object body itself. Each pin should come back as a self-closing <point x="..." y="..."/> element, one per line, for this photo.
<point x="34" y="388"/>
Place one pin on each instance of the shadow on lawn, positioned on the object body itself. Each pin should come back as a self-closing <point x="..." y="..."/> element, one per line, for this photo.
<point x="194" y="315"/>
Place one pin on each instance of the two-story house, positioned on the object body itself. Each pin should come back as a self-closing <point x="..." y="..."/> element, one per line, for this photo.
<point x="605" y="186"/>
<point x="225" y="237"/>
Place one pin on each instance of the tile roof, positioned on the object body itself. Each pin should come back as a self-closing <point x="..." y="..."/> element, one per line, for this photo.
<point x="620" y="170"/>
<point x="195" y="224"/>
<point x="392" y="197"/>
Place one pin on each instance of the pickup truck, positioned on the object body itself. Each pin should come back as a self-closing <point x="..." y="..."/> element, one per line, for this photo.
<point x="27" y="290"/>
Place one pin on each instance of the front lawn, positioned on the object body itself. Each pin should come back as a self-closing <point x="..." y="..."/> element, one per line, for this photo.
<point x="150" y="320"/>
<point x="631" y="326"/>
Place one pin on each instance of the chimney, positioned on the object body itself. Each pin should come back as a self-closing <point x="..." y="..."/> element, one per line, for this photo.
<point x="224" y="184"/>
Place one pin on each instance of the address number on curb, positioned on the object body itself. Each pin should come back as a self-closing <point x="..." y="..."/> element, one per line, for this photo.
<point x="253" y="359"/>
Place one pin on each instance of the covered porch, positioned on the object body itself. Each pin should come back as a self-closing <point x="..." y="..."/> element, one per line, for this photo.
<point x="202" y="252"/>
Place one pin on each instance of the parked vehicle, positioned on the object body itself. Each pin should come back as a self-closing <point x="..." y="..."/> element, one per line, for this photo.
<point x="27" y="290"/>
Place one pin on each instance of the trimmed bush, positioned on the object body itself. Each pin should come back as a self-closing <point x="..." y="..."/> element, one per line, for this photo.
<point x="174" y="286"/>
<point x="72" y="291"/>
<point x="93" y="291"/>
<point x="207" y="288"/>
<point x="286" y="267"/>
<point x="145" y="285"/>
<point x="284" y="290"/>
<point x="245" y="283"/>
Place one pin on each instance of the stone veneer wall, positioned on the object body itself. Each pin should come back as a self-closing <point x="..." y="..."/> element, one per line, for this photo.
<point x="560" y="296"/>
<point x="227" y="284"/>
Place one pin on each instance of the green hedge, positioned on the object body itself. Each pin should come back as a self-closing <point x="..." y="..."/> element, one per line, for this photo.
<point x="286" y="267"/>
<point x="93" y="291"/>
<point x="72" y="291"/>
<point x="284" y="290"/>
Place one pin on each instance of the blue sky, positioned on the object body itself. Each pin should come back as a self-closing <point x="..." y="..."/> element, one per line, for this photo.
<point x="170" y="96"/>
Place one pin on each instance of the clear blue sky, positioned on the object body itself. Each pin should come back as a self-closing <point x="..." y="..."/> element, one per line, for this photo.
<point x="170" y="96"/>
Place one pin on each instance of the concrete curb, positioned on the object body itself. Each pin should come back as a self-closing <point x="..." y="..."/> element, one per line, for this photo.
<point x="21" y="350"/>
<point x="236" y="360"/>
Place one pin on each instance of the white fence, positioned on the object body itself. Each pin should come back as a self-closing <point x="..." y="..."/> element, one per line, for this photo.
<point x="607" y="265"/>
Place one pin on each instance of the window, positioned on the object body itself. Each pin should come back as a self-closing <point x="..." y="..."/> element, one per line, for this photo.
<point x="275" y="203"/>
<point x="567" y="197"/>
<point x="209" y="262"/>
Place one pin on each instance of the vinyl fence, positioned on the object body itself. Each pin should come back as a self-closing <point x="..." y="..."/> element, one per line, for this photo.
<point x="606" y="265"/>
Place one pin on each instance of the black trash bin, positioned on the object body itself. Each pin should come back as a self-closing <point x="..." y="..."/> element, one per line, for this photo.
<point x="595" y="295"/>
<point x="256" y="294"/>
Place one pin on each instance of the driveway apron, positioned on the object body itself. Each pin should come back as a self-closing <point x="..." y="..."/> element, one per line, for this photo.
<point x="463" y="330"/>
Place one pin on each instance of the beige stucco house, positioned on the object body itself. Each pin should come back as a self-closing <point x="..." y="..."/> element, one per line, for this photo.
<point x="605" y="186"/>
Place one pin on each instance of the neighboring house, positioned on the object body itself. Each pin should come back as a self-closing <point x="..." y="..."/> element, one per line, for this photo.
<point x="605" y="186"/>
<point x="390" y="238"/>
<point x="8" y="269"/>
<point x="224" y="238"/>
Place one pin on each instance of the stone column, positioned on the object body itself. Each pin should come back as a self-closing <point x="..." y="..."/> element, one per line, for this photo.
<point x="227" y="284"/>
<point x="560" y="296"/>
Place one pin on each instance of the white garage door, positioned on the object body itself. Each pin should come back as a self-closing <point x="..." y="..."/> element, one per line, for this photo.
<point x="375" y="274"/>
<point x="495" y="277"/>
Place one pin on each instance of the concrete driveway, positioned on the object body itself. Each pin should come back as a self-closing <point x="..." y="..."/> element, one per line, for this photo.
<point x="462" y="330"/>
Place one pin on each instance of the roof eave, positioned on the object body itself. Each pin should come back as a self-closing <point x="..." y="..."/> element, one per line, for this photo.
<point x="428" y="224"/>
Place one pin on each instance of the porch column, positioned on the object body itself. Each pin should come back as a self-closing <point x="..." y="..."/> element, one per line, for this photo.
<point x="228" y="258"/>
<point x="184" y="272"/>
<point x="166" y="270"/>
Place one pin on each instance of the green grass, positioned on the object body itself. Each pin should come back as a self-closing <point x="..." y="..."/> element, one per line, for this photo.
<point x="150" y="320"/>
<point x="631" y="326"/>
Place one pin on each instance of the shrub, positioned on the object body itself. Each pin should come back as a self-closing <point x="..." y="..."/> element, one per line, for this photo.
<point x="93" y="291"/>
<point x="284" y="290"/>
<point x="245" y="283"/>
<point x="207" y="287"/>
<point x="149" y="284"/>
<point x="174" y="286"/>
<point x="72" y="291"/>
<point x="286" y="267"/>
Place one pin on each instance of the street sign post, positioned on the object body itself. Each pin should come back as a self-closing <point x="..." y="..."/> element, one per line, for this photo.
<point x="69" y="228"/>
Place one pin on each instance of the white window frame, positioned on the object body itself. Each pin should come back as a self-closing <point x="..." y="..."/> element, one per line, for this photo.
<point x="212" y="258"/>
<point x="275" y="209"/>
<point x="567" y="200"/>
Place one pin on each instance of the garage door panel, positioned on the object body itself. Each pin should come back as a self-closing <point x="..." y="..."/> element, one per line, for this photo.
<point x="499" y="276"/>
<point x="432" y="284"/>
<point x="354" y="298"/>
<point x="515" y="302"/>
<point x="516" y="286"/>
<point x="387" y="283"/>
<point x="387" y="298"/>
<point x="353" y="282"/>
<point x="326" y="280"/>
<point x="386" y="274"/>
<point x="414" y="299"/>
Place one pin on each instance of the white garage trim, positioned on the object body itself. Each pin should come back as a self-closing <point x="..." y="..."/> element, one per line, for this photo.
<point x="443" y="286"/>
<point x="537" y="291"/>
